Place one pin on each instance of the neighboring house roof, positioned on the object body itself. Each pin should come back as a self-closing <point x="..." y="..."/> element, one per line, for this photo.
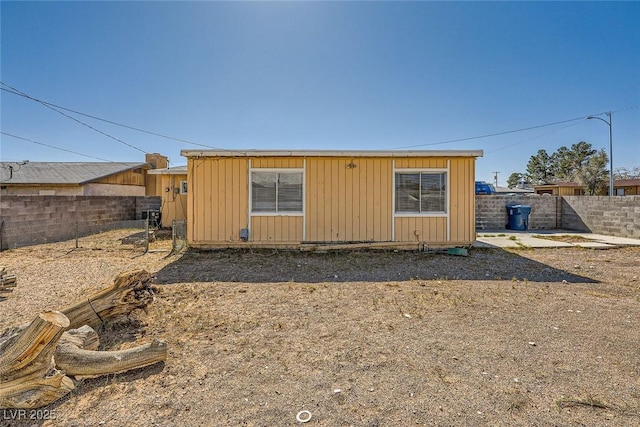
<point x="513" y="190"/>
<point x="616" y="183"/>
<point x="176" y="170"/>
<point x="559" y="184"/>
<point x="330" y="153"/>
<point x="626" y="182"/>
<point x="63" y="173"/>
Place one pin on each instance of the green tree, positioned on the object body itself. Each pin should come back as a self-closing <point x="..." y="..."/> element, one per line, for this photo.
<point x="539" y="168"/>
<point x="514" y="179"/>
<point x="566" y="162"/>
<point x="562" y="164"/>
<point x="593" y="173"/>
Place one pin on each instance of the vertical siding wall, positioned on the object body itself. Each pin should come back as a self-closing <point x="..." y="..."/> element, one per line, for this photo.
<point x="462" y="208"/>
<point x="217" y="202"/>
<point x="174" y="205"/>
<point x="129" y="177"/>
<point x="348" y="199"/>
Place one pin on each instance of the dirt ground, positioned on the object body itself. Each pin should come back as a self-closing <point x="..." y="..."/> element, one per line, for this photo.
<point x="522" y="337"/>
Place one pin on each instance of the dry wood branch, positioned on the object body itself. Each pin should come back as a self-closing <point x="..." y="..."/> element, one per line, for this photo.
<point x="129" y="291"/>
<point x="36" y="393"/>
<point x="29" y="355"/>
<point x="27" y="374"/>
<point x="84" y="337"/>
<point x="590" y="401"/>
<point x="87" y="363"/>
<point x="7" y="283"/>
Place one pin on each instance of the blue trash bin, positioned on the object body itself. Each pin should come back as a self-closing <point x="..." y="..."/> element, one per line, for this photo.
<point x="518" y="217"/>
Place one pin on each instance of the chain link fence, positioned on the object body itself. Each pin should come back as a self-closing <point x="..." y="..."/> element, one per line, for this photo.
<point x="178" y="235"/>
<point x="136" y="236"/>
<point x="114" y="236"/>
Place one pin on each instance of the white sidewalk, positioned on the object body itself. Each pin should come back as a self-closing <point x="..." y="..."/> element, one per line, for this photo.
<point x="561" y="238"/>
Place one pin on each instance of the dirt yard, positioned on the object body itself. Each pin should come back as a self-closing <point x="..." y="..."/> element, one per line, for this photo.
<point x="523" y="337"/>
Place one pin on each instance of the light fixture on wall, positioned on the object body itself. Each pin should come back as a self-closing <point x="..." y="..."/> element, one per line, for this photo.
<point x="351" y="165"/>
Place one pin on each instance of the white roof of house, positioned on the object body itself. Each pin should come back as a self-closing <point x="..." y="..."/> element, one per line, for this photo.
<point x="331" y="153"/>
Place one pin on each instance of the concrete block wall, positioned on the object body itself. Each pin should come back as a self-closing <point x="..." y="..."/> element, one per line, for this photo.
<point x="27" y="220"/>
<point x="147" y="203"/>
<point x="491" y="212"/>
<point x="613" y="216"/>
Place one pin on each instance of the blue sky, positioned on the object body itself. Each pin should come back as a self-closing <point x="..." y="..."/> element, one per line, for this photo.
<point x="321" y="75"/>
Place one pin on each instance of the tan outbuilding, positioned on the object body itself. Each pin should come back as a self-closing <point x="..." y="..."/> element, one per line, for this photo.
<point x="171" y="185"/>
<point x="292" y="198"/>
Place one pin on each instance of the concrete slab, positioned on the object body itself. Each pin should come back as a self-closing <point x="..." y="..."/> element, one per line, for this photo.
<point x="505" y="240"/>
<point x="515" y="239"/>
<point x="594" y="245"/>
<point x="613" y="240"/>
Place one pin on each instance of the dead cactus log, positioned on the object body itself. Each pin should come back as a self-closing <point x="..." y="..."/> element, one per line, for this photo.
<point x="76" y="356"/>
<point x="31" y="356"/>
<point x="28" y="378"/>
<point x="7" y="283"/>
<point x="130" y="290"/>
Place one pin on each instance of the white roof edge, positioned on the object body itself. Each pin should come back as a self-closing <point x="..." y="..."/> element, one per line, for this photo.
<point x="330" y="153"/>
<point x="176" y="170"/>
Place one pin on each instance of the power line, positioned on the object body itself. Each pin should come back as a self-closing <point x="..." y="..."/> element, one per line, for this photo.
<point x="530" y="139"/>
<point x="508" y="131"/>
<point x="108" y="121"/>
<point x="55" y="107"/>
<point x="55" y="148"/>
<point x="74" y="119"/>
<point x="493" y="134"/>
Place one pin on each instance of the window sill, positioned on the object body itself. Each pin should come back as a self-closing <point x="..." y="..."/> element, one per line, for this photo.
<point x="276" y="214"/>
<point x="420" y="214"/>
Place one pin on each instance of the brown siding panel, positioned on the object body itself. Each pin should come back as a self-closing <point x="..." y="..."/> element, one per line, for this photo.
<point x="348" y="203"/>
<point x="276" y="229"/>
<point x="124" y="178"/>
<point x="173" y="204"/>
<point x="462" y="204"/>
<point x="342" y="203"/>
<point x="217" y="200"/>
<point x="431" y="229"/>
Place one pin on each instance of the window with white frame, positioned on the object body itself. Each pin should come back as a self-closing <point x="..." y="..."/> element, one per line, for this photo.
<point x="274" y="192"/>
<point x="421" y="192"/>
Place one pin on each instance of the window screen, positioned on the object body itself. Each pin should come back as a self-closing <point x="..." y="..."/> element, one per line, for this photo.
<point x="276" y="192"/>
<point x="421" y="192"/>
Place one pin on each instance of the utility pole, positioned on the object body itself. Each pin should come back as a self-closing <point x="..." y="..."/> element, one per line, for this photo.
<point x="495" y="178"/>
<point x="610" y="149"/>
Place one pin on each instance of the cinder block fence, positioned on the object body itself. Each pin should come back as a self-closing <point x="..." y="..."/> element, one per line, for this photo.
<point x="613" y="216"/>
<point x="27" y="220"/>
<point x="491" y="212"/>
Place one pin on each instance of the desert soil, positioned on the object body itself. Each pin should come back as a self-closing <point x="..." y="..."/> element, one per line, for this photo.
<point x="523" y="337"/>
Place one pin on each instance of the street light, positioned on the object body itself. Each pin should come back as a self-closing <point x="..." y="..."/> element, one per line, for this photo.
<point x="610" y="150"/>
